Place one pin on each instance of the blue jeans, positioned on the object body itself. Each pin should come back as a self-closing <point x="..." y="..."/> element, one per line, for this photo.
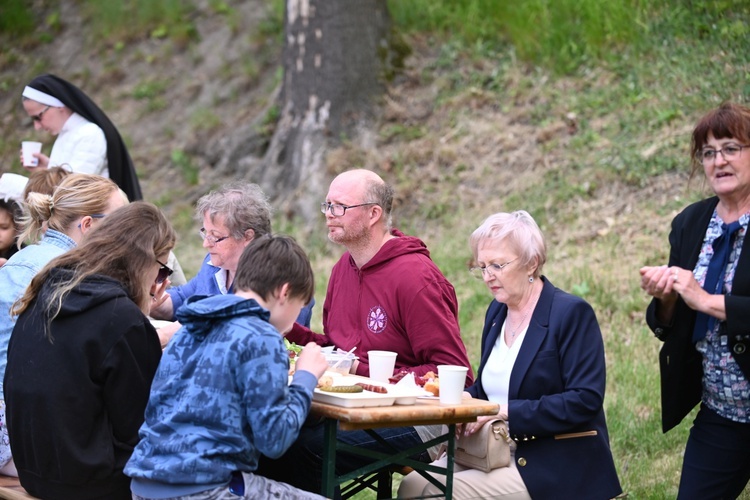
<point x="302" y="465"/>
<point x="717" y="458"/>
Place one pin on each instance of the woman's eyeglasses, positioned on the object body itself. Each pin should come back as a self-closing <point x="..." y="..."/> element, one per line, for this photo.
<point x="729" y="152"/>
<point x="38" y="117"/>
<point x="164" y="273"/>
<point x="210" y="238"/>
<point x="493" y="269"/>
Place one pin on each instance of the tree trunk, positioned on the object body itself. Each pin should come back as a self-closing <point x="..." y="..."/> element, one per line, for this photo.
<point x="336" y="53"/>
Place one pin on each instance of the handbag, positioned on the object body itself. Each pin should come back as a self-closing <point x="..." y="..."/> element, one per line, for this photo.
<point x="486" y="449"/>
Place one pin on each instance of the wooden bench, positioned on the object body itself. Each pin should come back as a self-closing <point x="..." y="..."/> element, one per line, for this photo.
<point x="11" y="489"/>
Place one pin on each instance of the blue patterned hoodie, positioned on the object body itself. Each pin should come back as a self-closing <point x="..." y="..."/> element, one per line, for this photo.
<point x="219" y="399"/>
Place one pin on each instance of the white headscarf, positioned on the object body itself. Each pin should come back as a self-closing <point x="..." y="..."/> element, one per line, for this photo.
<point x="41" y="97"/>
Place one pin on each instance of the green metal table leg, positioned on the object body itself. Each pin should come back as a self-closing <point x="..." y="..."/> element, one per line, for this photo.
<point x="380" y="459"/>
<point x="329" y="466"/>
<point x="449" y="465"/>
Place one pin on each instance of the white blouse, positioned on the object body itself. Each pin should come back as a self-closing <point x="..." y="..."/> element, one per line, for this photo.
<point x="82" y="145"/>
<point x="496" y="373"/>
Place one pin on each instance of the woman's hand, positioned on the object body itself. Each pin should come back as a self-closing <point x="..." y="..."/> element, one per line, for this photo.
<point x="157" y="294"/>
<point x="658" y="282"/>
<point x="684" y="284"/>
<point x="43" y="161"/>
<point x="667" y="283"/>
<point x="472" y="427"/>
<point x="158" y="297"/>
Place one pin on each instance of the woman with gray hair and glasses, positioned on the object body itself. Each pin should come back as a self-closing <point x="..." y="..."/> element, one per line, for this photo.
<point x="543" y="363"/>
<point x="231" y="217"/>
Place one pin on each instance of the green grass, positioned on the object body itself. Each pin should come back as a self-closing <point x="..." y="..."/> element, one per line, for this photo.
<point x="16" y="17"/>
<point x="115" y="20"/>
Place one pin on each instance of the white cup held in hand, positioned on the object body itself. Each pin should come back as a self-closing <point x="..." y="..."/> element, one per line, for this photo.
<point x="28" y="148"/>
<point x="452" y="379"/>
<point x="382" y="364"/>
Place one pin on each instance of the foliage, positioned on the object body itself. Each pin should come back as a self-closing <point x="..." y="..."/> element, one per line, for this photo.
<point x="565" y="34"/>
<point x="16" y="17"/>
<point x="116" y="20"/>
<point x="185" y="164"/>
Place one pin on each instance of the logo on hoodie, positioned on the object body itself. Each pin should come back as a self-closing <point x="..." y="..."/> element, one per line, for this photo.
<point x="377" y="319"/>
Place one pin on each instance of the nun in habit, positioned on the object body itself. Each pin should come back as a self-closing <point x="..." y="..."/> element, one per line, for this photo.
<point x="87" y="140"/>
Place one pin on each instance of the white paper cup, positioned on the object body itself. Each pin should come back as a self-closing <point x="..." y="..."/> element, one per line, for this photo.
<point x="28" y="148"/>
<point x="452" y="379"/>
<point x="382" y="364"/>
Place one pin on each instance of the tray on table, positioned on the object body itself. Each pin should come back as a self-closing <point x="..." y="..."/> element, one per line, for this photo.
<point x="395" y="395"/>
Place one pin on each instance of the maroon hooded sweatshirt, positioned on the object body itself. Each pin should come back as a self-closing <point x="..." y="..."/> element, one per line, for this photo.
<point x="399" y="301"/>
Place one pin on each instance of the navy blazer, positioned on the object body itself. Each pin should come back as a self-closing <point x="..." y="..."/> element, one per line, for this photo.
<point x="680" y="364"/>
<point x="556" y="390"/>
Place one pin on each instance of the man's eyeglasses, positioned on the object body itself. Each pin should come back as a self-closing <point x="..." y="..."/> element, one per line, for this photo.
<point x="338" y="210"/>
<point x="493" y="269"/>
<point x="210" y="238"/>
<point x="38" y="117"/>
<point x="164" y="273"/>
<point x="729" y="152"/>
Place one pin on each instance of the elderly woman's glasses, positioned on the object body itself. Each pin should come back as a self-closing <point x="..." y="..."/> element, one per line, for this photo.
<point x="729" y="152"/>
<point x="340" y="210"/>
<point x="164" y="273"/>
<point x="493" y="269"/>
<point x="38" y="117"/>
<point x="210" y="238"/>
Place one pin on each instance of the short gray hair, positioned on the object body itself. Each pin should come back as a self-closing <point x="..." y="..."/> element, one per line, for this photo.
<point x="381" y="193"/>
<point x="243" y="206"/>
<point x="521" y="232"/>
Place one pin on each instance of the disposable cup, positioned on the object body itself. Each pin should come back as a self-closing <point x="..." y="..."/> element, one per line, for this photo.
<point x="452" y="379"/>
<point x="382" y="364"/>
<point x="28" y="148"/>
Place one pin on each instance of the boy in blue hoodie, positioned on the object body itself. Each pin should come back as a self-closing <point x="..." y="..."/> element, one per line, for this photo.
<point x="221" y="395"/>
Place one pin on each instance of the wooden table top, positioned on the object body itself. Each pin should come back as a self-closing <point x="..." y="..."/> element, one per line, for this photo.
<point x="423" y="412"/>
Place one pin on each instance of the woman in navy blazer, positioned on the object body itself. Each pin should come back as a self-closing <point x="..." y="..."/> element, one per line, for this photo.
<point x="706" y="328"/>
<point x="543" y="362"/>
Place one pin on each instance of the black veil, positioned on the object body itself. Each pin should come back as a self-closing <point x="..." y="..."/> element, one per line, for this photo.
<point x="121" y="169"/>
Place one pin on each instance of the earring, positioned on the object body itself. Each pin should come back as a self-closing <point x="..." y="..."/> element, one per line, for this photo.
<point x="531" y="279"/>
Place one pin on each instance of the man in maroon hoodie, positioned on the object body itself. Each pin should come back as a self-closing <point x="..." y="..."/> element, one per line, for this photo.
<point x="385" y="293"/>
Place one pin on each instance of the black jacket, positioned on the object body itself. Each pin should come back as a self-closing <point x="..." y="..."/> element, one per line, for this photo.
<point x="74" y="405"/>
<point x="679" y="362"/>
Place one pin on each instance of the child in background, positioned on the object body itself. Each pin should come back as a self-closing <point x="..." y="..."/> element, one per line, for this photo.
<point x="221" y="395"/>
<point x="11" y="197"/>
<point x="10" y="213"/>
<point x="45" y="180"/>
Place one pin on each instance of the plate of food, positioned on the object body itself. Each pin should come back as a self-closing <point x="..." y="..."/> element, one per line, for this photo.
<point x="353" y="392"/>
<point x="428" y="383"/>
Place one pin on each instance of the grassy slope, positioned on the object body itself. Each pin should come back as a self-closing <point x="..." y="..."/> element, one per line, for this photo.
<point x="598" y="157"/>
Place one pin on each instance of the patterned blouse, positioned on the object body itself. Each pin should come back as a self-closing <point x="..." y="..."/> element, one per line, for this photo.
<point x="725" y="388"/>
